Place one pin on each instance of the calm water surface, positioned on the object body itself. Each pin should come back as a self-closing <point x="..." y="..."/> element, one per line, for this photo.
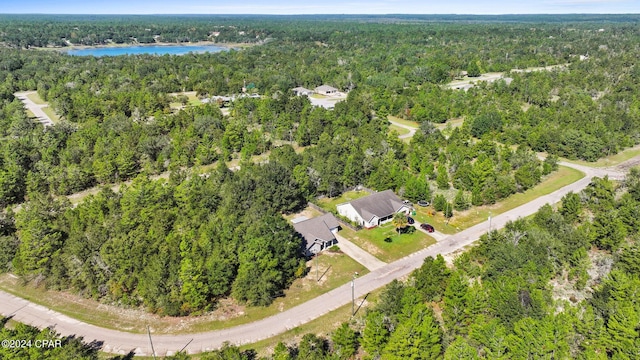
<point x="154" y="50"/>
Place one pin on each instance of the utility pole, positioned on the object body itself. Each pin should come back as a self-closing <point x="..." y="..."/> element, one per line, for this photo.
<point x="353" y="298"/>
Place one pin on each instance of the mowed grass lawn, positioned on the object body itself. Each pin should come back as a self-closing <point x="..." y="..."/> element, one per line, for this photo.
<point x="399" y="246"/>
<point x="400" y="130"/>
<point x="51" y="114"/>
<point x="337" y="268"/>
<point x="436" y="219"/>
<point x="36" y="98"/>
<point x="191" y="95"/>
<point x="329" y="204"/>
<point x="403" y="121"/>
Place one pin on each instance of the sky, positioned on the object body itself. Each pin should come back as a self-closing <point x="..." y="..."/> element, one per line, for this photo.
<point x="287" y="7"/>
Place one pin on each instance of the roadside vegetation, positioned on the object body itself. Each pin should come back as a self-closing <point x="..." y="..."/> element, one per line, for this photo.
<point x="332" y="270"/>
<point x="559" y="284"/>
<point x="183" y="243"/>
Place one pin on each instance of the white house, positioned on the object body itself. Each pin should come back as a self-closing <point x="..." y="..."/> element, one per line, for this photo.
<point x="373" y="210"/>
<point x="299" y="91"/>
<point x="325" y="90"/>
<point x="318" y="233"/>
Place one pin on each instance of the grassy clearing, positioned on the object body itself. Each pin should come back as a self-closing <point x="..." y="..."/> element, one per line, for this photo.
<point x="436" y="219"/>
<point x="337" y="270"/>
<point x="51" y="114"/>
<point x="453" y="123"/>
<point x="191" y="95"/>
<point x="36" y="98"/>
<point x="609" y="160"/>
<point x="30" y="114"/>
<point x="403" y="121"/>
<point x="399" y="246"/>
<point x="400" y="130"/>
<point x="193" y="98"/>
<point x="564" y="176"/>
<point x="308" y="212"/>
<point x="175" y="106"/>
<point x="329" y="204"/>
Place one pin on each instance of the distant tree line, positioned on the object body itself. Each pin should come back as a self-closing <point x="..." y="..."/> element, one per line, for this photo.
<point x="117" y="124"/>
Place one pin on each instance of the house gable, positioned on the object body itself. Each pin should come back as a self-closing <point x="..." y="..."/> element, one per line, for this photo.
<point x="374" y="209"/>
<point x="318" y="233"/>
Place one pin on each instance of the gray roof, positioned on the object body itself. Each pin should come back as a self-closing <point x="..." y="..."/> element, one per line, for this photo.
<point x="317" y="228"/>
<point x="325" y="88"/>
<point x="380" y="204"/>
<point x="301" y="89"/>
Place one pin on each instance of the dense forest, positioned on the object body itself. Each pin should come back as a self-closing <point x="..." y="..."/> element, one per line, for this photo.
<point x="562" y="284"/>
<point x="176" y="246"/>
<point x="584" y="109"/>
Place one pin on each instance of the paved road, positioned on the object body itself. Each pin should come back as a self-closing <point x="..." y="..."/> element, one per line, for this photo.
<point x="36" y="109"/>
<point x="123" y="342"/>
<point x="358" y="254"/>
<point x="412" y="130"/>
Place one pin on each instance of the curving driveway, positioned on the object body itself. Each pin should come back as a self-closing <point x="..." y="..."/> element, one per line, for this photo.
<point x="122" y="342"/>
<point x="412" y="130"/>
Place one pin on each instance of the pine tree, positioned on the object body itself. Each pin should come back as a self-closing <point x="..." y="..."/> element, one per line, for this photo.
<point x="571" y="207"/>
<point x="455" y="303"/>
<point x="418" y="337"/>
<point x="443" y="177"/>
<point x="460" y="350"/>
<point x="375" y="334"/>
<point x="431" y="278"/>
<point x="622" y="329"/>
<point x="345" y="342"/>
<point x="460" y="201"/>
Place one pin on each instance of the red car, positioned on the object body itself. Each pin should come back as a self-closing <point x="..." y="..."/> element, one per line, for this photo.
<point x="427" y="228"/>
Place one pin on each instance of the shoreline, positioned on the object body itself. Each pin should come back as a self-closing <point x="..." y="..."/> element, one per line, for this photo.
<point x="168" y="44"/>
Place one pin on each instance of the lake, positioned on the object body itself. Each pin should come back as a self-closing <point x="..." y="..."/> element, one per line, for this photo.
<point x="153" y="50"/>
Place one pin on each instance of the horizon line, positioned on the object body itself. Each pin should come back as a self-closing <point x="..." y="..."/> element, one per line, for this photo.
<point x="325" y="14"/>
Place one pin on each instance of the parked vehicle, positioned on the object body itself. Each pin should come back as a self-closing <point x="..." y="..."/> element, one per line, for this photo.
<point x="410" y="220"/>
<point x="427" y="228"/>
<point x="423" y="203"/>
